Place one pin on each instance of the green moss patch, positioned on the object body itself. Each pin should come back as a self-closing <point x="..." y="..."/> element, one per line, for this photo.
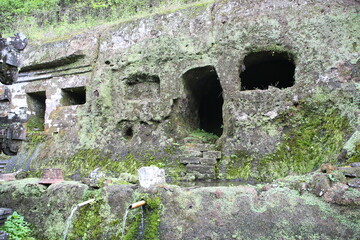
<point x="356" y="155"/>
<point x="149" y="216"/>
<point x="315" y="133"/>
<point x="35" y="123"/>
<point x="87" y="160"/>
<point x="238" y="166"/>
<point x="90" y="222"/>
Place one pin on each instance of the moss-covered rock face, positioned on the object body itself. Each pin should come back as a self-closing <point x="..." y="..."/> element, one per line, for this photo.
<point x="277" y="80"/>
<point x="47" y="209"/>
<point x="313" y="206"/>
<point x="247" y="213"/>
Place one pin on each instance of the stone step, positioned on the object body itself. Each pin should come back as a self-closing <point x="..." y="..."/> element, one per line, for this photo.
<point x="192" y="140"/>
<point x="198" y="161"/>
<point x="202" y="147"/>
<point x="203" y="169"/>
<point x="208" y="161"/>
<point x="190" y="160"/>
<point x="4" y="177"/>
<point x="212" y="154"/>
<point x="192" y="153"/>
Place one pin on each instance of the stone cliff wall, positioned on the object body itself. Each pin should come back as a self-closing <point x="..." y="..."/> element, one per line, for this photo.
<point x="241" y="70"/>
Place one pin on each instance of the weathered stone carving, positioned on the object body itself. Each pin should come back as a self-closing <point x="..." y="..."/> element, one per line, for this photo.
<point x="10" y="58"/>
<point x="12" y="132"/>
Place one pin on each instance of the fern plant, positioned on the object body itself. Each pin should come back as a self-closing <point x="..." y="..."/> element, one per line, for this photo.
<point x="17" y="227"/>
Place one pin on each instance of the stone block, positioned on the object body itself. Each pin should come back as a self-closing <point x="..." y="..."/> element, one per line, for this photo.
<point x="200" y="146"/>
<point x="203" y="169"/>
<point x="7" y="177"/>
<point x="52" y="175"/>
<point x="190" y="160"/>
<point x="208" y="161"/>
<point x="212" y="154"/>
<point x="351" y="171"/>
<point x="193" y="153"/>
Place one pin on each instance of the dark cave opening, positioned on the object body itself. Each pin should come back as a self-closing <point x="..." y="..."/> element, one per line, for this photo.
<point x="204" y="92"/>
<point x="267" y="68"/>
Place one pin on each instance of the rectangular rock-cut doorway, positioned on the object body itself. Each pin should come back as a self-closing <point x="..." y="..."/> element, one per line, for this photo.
<point x="37" y="106"/>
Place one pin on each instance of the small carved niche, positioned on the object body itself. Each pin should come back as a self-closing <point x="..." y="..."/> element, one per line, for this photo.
<point x="142" y="86"/>
<point x="73" y="96"/>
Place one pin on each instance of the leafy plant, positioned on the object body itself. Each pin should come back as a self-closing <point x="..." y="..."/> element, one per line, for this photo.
<point x="204" y="136"/>
<point x="17" y="227"/>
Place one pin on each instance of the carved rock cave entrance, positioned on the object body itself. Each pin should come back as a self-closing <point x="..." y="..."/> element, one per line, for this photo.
<point x="205" y="99"/>
<point x="267" y="68"/>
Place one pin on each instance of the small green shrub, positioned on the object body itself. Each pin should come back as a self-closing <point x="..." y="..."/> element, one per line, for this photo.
<point x="17" y="227"/>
